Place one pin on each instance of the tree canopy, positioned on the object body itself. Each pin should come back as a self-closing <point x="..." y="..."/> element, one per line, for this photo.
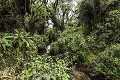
<point x="83" y="37"/>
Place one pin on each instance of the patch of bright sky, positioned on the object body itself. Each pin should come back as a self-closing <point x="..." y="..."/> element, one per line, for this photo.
<point x="74" y="5"/>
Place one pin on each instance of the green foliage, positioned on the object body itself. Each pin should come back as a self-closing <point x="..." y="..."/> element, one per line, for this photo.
<point x="73" y="42"/>
<point x="108" y="62"/>
<point x="43" y="67"/>
<point x="52" y="34"/>
<point x="16" y="47"/>
<point x="5" y="41"/>
<point x="87" y="34"/>
<point x="22" y="47"/>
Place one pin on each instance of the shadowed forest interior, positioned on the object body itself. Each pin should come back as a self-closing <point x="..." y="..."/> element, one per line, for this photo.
<point x="59" y="39"/>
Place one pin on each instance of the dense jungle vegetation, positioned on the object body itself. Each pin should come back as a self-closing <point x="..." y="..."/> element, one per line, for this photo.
<point x="59" y="39"/>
